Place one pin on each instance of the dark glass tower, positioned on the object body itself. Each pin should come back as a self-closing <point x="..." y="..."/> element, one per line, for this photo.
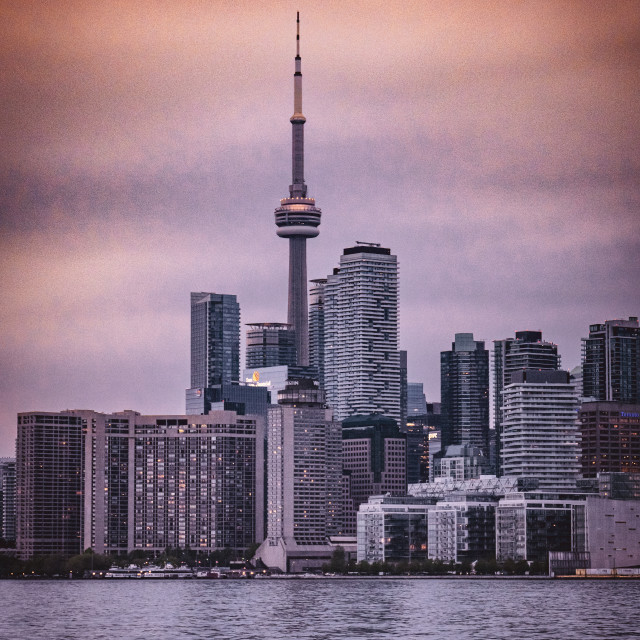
<point x="464" y="373"/>
<point x="526" y="351"/>
<point x="270" y="344"/>
<point x="297" y="219"/>
<point x="611" y="361"/>
<point x="215" y="339"/>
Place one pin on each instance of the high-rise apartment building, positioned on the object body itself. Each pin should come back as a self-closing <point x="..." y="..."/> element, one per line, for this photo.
<point x="297" y="219"/>
<point x="120" y="482"/>
<point x="541" y="437"/>
<point x="316" y="327"/>
<point x="374" y="459"/>
<point x="50" y="461"/>
<point x="610" y="438"/>
<point x="303" y="479"/>
<point x="270" y="344"/>
<point x="173" y="481"/>
<point x="362" y="361"/>
<point x="464" y="375"/>
<point x="7" y="498"/>
<point x="215" y="339"/>
<point x="611" y="361"/>
<point x="526" y="351"/>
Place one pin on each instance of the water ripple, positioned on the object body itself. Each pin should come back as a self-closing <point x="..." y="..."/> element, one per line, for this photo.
<point x="319" y="609"/>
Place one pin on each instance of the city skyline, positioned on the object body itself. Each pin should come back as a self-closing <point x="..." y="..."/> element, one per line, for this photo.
<point x="493" y="148"/>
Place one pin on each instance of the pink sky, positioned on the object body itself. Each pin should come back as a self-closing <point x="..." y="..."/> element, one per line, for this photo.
<point x="494" y="147"/>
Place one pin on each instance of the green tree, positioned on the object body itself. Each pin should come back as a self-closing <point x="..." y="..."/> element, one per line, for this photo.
<point x="338" y="562"/>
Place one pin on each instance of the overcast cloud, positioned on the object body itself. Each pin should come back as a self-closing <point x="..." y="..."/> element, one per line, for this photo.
<point x="494" y="147"/>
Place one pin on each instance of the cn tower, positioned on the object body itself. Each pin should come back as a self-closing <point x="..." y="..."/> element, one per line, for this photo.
<point x="298" y="218"/>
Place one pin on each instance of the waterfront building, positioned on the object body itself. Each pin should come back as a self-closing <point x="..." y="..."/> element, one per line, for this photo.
<point x="464" y="375"/>
<point x="270" y="344"/>
<point x="541" y="438"/>
<point x="8" y="498"/>
<point x="362" y="361"/>
<point x="612" y="532"/>
<point x="173" y="481"/>
<point x="49" y="484"/>
<point x="611" y="361"/>
<point x="530" y="525"/>
<point x="316" y="327"/>
<point x="297" y="218"/>
<point x="462" y="528"/>
<point x="215" y="339"/>
<point x="526" y="351"/>
<point x="416" y="400"/>
<point x="304" y="484"/>
<point x="374" y="454"/>
<point x="120" y="482"/>
<point x="610" y="438"/>
<point x="393" y="529"/>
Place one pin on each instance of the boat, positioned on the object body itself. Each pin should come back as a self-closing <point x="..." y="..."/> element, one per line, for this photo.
<point x="133" y="571"/>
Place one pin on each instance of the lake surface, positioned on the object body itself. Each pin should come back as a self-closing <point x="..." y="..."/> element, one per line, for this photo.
<point x="319" y="609"/>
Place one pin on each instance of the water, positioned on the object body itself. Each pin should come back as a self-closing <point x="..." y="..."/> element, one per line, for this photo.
<point x="319" y="609"/>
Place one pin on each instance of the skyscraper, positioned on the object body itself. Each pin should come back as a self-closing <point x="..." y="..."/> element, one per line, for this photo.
<point x="526" y="351"/>
<point x="362" y="361"/>
<point x="303" y="479"/>
<point x="316" y="327"/>
<point x="215" y="339"/>
<point x="270" y="344"/>
<point x="464" y="375"/>
<point x="611" y="361"/>
<point x="49" y="484"/>
<point x="541" y="438"/>
<point x="297" y="219"/>
<point x="7" y="498"/>
<point x="119" y="482"/>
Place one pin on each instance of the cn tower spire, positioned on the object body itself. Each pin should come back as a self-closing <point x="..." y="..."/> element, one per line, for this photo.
<point x="297" y="189"/>
<point x="298" y="218"/>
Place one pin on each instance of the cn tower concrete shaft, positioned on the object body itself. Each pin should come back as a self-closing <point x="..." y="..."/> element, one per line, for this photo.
<point x="298" y="310"/>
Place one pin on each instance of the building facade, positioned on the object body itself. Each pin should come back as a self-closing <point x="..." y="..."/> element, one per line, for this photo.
<point x="8" y="499"/>
<point x="530" y="525"/>
<point x="611" y="361"/>
<point x="540" y="437"/>
<point x="49" y="484"/>
<point x="362" y="361"/>
<point x="270" y="344"/>
<point x="121" y="482"/>
<point x="393" y="529"/>
<point x="610" y="434"/>
<point x="526" y="351"/>
<point x="374" y="454"/>
<point x="462" y="528"/>
<point x="416" y="400"/>
<point x="153" y="482"/>
<point x="464" y="376"/>
<point x="316" y="327"/>
<point x="304" y="490"/>
<point x="215" y="339"/>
